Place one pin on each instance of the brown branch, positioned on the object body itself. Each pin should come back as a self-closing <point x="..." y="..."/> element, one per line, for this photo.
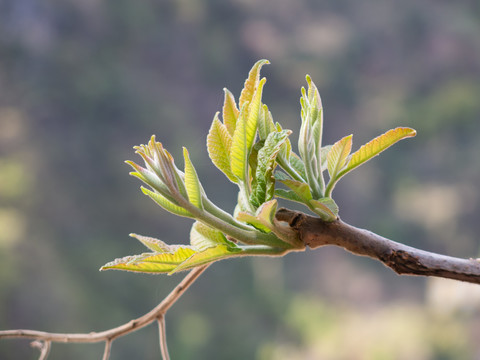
<point x="108" y="336"/>
<point x="403" y="259"/>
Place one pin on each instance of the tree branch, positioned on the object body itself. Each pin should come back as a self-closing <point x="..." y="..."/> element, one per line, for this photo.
<point x="403" y="259"/>
<point x="108" y="336"/>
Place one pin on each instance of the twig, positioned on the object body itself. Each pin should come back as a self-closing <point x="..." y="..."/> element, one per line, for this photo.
<point x="401" y="258"/>
<point x="109" y="335"/>
<point x="108" y="348"/>
<point x="43" y="346"/>
<point x="162" y="334"/>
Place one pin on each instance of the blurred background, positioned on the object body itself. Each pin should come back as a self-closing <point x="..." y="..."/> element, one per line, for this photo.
<point x="82" y="82"/>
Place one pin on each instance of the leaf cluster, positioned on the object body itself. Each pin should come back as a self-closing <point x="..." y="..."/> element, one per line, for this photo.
<point x="256" y="154"/>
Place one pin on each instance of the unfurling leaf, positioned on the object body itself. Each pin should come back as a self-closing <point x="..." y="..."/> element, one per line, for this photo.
<point x="264" y="181"/>
<point x="301" y="189"/>
<point x="230" y="112"/>
<point x="203" y="236"/>
<point x="166" y="204"/>
<point x="263" y="218"/>
<point x="251" y="83"/>
<point x="219" y="143"/>
<point x="192" y="183"/>
<point x="244" y="135"/>
<point x="326" y="208"/>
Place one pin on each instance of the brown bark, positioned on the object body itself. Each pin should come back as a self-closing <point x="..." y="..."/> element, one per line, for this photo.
<point x="403" y="259"/>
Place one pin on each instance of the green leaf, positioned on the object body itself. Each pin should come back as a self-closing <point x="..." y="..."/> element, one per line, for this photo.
<point x="376" y="146"/>
<point x="166" y="204"/>
<point x="152" y="262"/>
<point x="288" y="195"/>
<point x="192" y="183"/>
<point x="297" y="163"/>
<point x="203" y="236"/>
<point x="326" y="208"/>
<point x="219" y="143"/>
<point x="206" y="256"/>
<point x="230" y="112"/>
<point x="263" y="218"/>
<point x="300" y="188"/>
<point x="251" y="83"/>
<point x="338" y="154"/>
<point x="265" y="182"/>
<point x="265" y="123"/>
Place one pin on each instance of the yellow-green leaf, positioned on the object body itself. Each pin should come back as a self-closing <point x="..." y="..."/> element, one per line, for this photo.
<point x="192" y="183"/>
<point x="254" y="221"/>
<point x="251" y="83"/>
<point x="254" y="108"/>
<point x="152" y="262"/>
<point x="244" y="134"/>
<point x="203" y="236"/>
<point x="230" y="112"/>
<point x="219" y="143"/>
<point x="263" y="218"/>
<point x="211" y="254"/>
<point x="338" y="154"/>
<point x="165" y="203"/>
<point x="376" y="146"/>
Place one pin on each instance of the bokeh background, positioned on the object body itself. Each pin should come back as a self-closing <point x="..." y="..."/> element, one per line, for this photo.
<point x="82" y="82"/>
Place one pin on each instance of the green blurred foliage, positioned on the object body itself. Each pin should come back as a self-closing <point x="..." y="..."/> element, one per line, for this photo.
<point x="81" y="82"/>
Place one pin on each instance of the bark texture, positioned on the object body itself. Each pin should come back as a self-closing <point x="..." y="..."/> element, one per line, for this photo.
<point x="403" y="259"/>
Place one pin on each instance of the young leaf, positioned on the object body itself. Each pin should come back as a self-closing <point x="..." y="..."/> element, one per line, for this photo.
<point x="219" y="143"/>
<point x="264" y="189"/>
<point x="338" y="154"/>
<point x="239" y="150"/>
<point x="301" y="189"/>
<point x="265" y="123"/>
<point x="251" y="83"/>
<point x="192" y="183"/>
<point x="165" y="203"/>
<point x="230" y="112"/>
<point x="326" y="208"/>
<point x="288" y="195"/>
<point x="297" y="164"/>
<point x="244" y="134"/>
<point x="203" y="236"/>
<point x="206" y="256"/>
<point x="376" y="146"/>
<point x="254" y="109"/>
<point x="152" y="262"/>
<point x="152" y="244"/>
<point x="263" y="218"/>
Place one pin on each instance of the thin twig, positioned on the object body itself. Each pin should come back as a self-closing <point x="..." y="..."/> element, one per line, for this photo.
<point x="403" y="259"/>
<point x="108" y="348"/>
<point x="109" y="335"/>
<point x="43" y="346"/>
<point x="162" y="334"/>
